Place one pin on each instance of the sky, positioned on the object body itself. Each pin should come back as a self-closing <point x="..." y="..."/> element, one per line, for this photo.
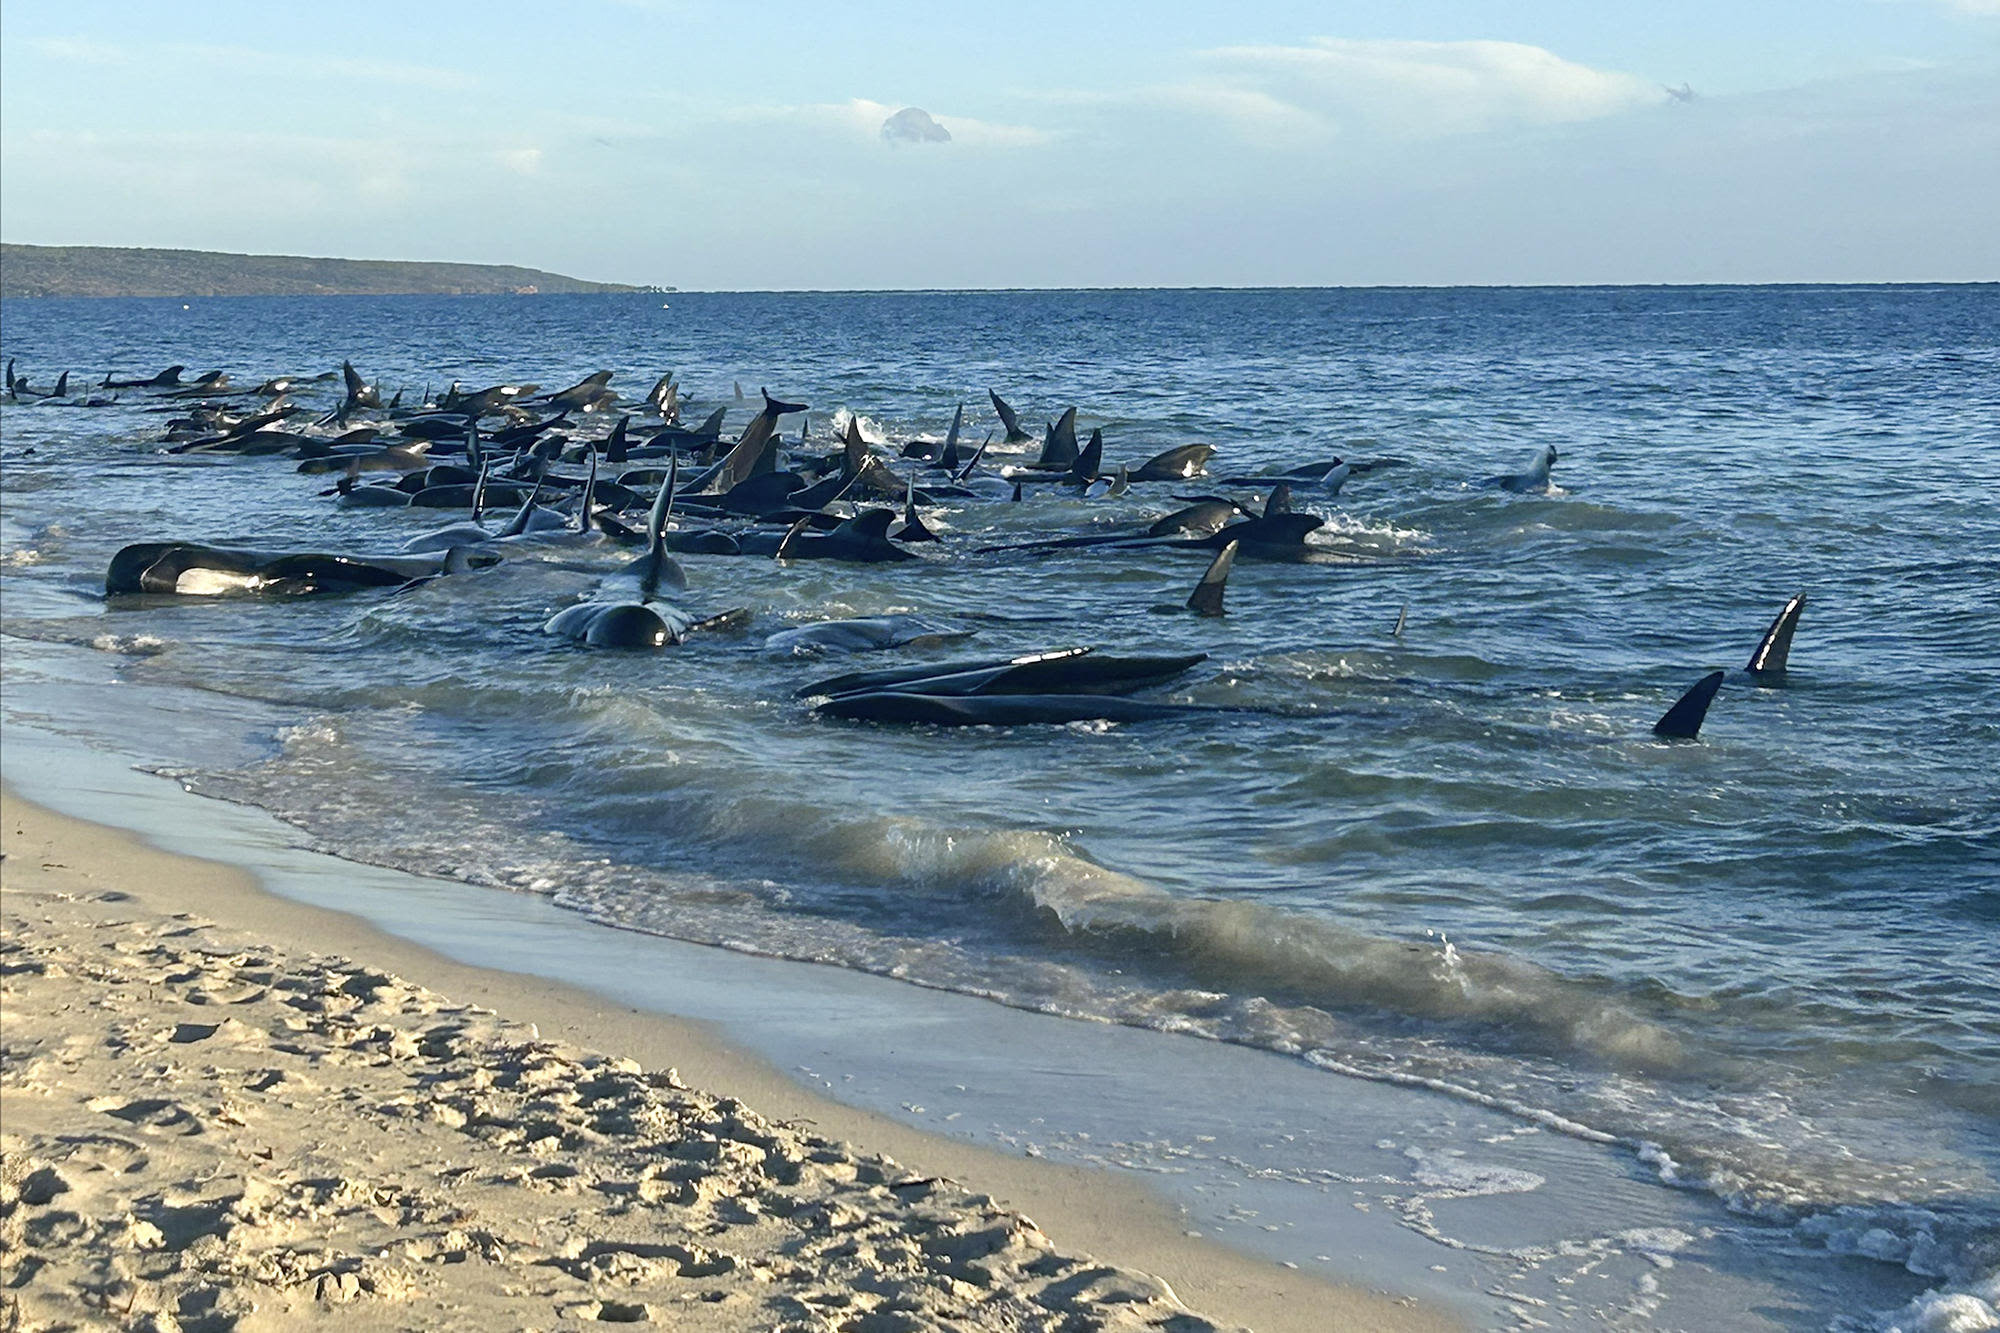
<point x="1031" y="143"/>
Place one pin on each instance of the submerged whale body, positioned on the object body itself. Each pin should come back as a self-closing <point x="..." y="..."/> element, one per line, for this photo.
<point x="1063" y="671"/>
<point x="999" y="710"/>
<point x="862" y="635"/>
<point x="1533" y="478"/>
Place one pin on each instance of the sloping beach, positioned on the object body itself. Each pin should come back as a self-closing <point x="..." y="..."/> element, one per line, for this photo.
<point x="224" y="1109"/>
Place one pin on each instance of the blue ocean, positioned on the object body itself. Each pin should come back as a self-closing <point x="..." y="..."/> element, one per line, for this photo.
<point x="1432" y="842"/>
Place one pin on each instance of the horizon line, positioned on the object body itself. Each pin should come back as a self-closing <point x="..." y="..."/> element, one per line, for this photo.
<point x="648" y="290"/>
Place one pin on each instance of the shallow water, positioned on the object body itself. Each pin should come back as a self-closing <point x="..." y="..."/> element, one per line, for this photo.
<point x="1763" y="963"/>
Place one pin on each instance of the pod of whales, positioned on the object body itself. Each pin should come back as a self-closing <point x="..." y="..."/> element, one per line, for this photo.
<point x="762" y="494"/>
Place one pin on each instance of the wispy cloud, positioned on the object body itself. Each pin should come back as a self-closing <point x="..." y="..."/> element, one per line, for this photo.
<point x="1425" y="89"/>
<point x="1974" y="8"/>
<point x="247" y="61"/>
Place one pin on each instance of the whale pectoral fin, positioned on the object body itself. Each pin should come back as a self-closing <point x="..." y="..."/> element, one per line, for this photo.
<point x="785" y="547"/>
<point x="1768" y="662"/>
<point x="1683" y="721"/>
<point x="1206" y="600"/>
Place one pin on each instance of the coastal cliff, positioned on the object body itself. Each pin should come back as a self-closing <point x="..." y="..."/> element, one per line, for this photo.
<point x="93" y="270"/>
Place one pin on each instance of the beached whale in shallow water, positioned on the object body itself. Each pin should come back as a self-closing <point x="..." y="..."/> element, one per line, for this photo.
<point x="1061" y="671"/>
<point x="191" y="569"/>
<point x="861" y="635"/>
<point x="1533" y="478"/>
<point x="1189" y="460"/>
<point x="167" y="379"/>
<point x="863" y="538"/>
<point x="1000" y="710"/>
<point x="627" y="610"/>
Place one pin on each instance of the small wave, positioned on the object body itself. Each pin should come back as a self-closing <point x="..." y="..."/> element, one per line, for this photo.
<point x="130" y="645"/>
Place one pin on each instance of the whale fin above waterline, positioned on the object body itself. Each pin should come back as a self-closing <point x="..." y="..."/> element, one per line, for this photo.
<point x="1683" y="721"/>
<point x="1206" y="600"/>
<point x="1768" y="662"/>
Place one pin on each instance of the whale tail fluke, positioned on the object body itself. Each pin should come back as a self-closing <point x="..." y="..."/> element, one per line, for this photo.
<point x="1015" y="435"/>
<point x="1683" y="721"/>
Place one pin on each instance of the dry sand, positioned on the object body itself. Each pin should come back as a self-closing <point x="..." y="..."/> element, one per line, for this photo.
<point x="211" y="1117"/>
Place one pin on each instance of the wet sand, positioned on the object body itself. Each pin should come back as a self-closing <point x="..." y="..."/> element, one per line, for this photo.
<point x="227" y="1109"/>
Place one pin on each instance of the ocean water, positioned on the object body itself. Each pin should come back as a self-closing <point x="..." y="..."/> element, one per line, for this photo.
<point x="1766" y="965"/>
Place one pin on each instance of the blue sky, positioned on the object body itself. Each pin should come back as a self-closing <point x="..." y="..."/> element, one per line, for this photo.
<point x="740" y="145"/>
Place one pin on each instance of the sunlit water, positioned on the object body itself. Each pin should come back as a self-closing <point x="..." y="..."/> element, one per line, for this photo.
<point x="1765" y="962"/>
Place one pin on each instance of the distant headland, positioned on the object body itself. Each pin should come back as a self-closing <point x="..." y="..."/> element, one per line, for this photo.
<point x="97" y="270"/>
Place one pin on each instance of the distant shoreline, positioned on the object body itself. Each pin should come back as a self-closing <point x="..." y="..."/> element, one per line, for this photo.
<point x="40" y="271"/>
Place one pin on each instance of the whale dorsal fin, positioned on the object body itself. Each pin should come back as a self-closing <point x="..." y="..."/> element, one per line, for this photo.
<point x="913" y="524"/>
<point x="1683" y="721"/>
<point x="614" y="443"/>
<point x="1776" y="645"/>
<point x="659" y="566"/>
<point x="1206" y="600"/>
<point x="1280" y="501"/>
<point x="1059" y="445"/>
<point x="520" y="523"/>
<point x="589" y="491"/>
<point x="1089" y="461"/>
<point x="949" y="458"/>
<point x="856" y="456"/>
<point x="1402" y="620"/>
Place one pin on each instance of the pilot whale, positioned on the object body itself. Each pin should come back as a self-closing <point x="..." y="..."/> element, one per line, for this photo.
<point x="192" y="569"/>
<point x="1533" y="478"/>
<point x="628" y="611"/>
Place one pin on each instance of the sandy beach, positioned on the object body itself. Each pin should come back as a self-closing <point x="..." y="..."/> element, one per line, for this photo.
<point x="227" y="1110"/>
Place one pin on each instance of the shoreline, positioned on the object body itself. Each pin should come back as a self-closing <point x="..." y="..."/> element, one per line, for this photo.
<point x="1083" y="1209"/>
<point x="1468" y="1215"/>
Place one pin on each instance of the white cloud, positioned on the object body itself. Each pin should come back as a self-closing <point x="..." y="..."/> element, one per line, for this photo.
<point x="1427" y="89"/>
<point x="1254" y="115"/>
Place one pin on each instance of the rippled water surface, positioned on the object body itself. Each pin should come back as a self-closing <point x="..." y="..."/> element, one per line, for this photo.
<point x="1765" y="961"/>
